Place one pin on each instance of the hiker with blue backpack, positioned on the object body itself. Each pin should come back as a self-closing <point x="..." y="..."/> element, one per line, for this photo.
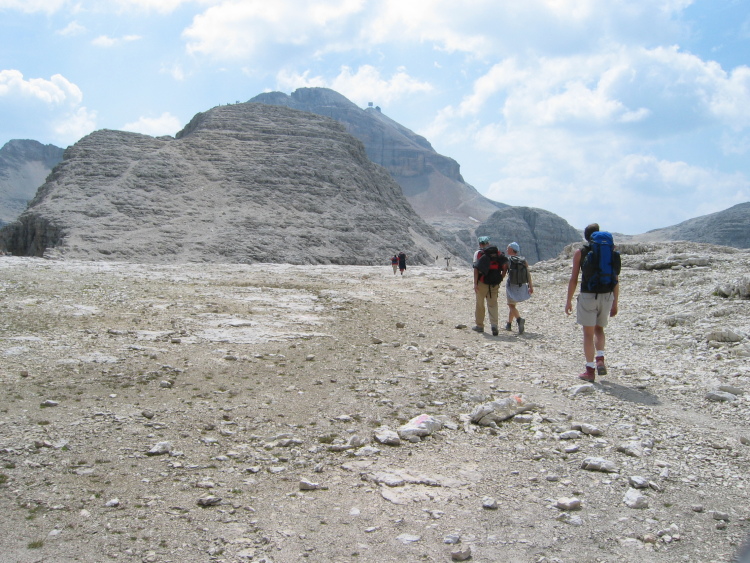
<point x="598" y="264"/>
<point x="518" y="286"/>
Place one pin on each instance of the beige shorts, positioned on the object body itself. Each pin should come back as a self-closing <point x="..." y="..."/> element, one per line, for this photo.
<point x="593" y="309"/>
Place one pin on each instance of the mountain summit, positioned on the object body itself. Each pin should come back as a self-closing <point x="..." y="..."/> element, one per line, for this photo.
<point x="430" y="181"/>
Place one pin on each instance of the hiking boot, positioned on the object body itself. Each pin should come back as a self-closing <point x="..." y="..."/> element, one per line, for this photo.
<point x="521" y="324"/>
<point x="494" y="331"/>
<point x="478" y="328"/>
<point x="508" y="326"/>
<point x="588" y="375"/>
<point x="601" y="369"/>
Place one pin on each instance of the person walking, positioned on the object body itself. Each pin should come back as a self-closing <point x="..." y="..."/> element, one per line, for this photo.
<point x="598" y="264"/>
<point x="518" y="286"/>
<point x="394" y="263"/>
<point x="402" y="262"/>
<point x="489" y="269"/>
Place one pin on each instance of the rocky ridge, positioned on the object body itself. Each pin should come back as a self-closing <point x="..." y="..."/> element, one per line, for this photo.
<point x="241" y="183"/>
<point x="24" y="165"/>
<point x="337" y="413"/>
<point x="730" y="227"/>
<point x="431" y="182"/>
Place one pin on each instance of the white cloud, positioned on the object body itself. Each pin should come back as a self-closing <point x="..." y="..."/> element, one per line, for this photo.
<point x="175" y="71"/>
<point x="161" y="6"/>
<point x="72" y="126"/>
<point x="241" y="28"/>
<point x="107" y="42"/>
<point x="72" y="29"/>
<point x="165" y="124"/>
<point x="363" y="86"/>
<point x="32" y="6"/>
<point x="55" y="91"/>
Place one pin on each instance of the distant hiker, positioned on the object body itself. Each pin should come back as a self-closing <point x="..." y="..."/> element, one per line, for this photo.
<point x="402" y="262"/>
<point x="489" y="268"/>
<point x="599" y="264"/>
<point x="394" y="263"/>
<point x="518" y="286"/>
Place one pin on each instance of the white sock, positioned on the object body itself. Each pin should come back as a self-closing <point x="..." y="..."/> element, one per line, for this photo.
<point x="600" y="353"/>
<point x="590" y="364"/>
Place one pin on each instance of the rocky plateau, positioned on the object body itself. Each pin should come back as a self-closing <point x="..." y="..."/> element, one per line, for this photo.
<point x="281" y="413"/>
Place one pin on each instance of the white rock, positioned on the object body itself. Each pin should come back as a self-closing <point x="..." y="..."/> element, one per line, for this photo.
<point x="635" y="499"/>
<point x="568" y="503"/>
<point x="420" y="426"/>
<point x="599" y="464"/>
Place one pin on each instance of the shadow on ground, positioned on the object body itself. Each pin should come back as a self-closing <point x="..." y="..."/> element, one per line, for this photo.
<point x="628" y="394"/>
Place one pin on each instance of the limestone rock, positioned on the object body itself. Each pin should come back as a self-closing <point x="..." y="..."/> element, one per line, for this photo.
<point x="241" y="183"/>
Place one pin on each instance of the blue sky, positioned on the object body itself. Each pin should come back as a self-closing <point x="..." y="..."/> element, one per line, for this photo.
<point x="633" y="113"/>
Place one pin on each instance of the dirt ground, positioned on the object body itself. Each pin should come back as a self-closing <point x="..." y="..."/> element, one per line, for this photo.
<point x="269" y="382"/>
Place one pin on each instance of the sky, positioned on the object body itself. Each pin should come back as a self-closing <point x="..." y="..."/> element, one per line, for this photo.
<point x="632" y="113"/>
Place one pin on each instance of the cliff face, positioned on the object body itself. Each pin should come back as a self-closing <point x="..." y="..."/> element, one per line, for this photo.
<point x="431" y="182"/>
<point x="241" y="183"/>
<point x="542" y="235"/>
<point x="24" y="165"/>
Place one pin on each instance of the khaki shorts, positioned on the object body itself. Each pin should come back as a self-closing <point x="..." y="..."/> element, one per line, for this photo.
<point x="593" y="309"/>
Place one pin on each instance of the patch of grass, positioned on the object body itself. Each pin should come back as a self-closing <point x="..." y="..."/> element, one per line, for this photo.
<point x="35" y="544"/>
<point x="3" y="478"/>
<point x="43" y="422"/>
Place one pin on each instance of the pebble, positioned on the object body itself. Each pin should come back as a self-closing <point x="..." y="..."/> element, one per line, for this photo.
<point x="305" y="485"/>
<point x="408" y="538"/>
<point x="572" y="519"/>
<point x="634" y="499"/>
<point x="160" y="448"/>
<point x="638" y="482"/>
<point x="720" y="516"/>
<point x="591" y="430"/>
<point x="209" y="500"/>
<point x="568" y="503"/>
<point x="489" y="503"/>
<point x="461" y="554"/>
<point x="49" y="403"/>
<point x="632" y="449"/>
<point x="721" y="397"/>
<point x="599" y="464"/>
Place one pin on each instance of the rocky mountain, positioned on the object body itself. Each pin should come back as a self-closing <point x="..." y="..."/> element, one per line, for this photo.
<point x="240" y="183"/>
<point x="431" y="182"/>
<point x="730" y="227"/>
<point x="541" y="234"/>
<point x="24" y="165"/>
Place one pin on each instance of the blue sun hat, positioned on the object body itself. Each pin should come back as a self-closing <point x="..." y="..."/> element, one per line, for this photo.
<point x="484" y="240"/>
<point x="515" y="247"/>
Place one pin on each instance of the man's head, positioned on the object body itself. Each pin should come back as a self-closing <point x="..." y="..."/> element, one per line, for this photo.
<point x="483" y="241"/>
<point x="514" y="248"/>
<point x="590" y="230"/>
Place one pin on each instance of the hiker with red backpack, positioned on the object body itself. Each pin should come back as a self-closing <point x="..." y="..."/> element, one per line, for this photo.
<point x="598" y="263"/>
<point x="519" y="286"/>
<point x="394" y="263"/>
<point x="489" y="269"/>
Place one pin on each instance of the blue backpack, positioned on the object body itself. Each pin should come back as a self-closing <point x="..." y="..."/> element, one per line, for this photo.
<point x="600" y="264"/>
